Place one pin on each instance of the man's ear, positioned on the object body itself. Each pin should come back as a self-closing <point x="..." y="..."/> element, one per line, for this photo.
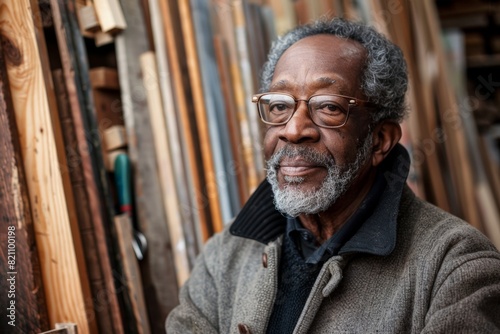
<point x="385" y="136"/>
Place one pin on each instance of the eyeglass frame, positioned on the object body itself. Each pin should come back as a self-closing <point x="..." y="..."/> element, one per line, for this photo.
<point x="352" y="102"/>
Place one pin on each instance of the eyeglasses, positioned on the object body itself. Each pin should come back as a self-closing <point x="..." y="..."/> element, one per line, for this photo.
<point x="326" y="110"/>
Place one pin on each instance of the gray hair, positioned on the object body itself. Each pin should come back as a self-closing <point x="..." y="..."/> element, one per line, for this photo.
<point x="385" y="78"/>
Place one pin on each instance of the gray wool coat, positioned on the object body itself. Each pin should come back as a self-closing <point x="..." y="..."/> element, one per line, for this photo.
<point x="442" y="276"/>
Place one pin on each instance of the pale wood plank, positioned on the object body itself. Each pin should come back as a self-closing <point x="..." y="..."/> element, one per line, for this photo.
<point x="110" y="15"/>
<point x="17" y="227"/>
<point x="164" y="162"/>
<point x="63" y="290"/>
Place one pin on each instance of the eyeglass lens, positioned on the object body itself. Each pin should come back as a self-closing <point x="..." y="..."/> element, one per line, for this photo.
<point x="326" y="110"/>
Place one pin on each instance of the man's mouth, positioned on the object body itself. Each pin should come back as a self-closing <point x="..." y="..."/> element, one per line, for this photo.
<point x="297" y="167"/>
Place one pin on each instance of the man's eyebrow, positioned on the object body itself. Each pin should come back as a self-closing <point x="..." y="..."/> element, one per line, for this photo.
<point x="326" y="81"/>
<point x="280" y="85"/>
<point x="284" y="84"/>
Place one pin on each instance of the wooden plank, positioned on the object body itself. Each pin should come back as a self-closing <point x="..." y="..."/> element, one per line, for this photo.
<point x="178" y="149"/>
<point x="17" y="235"/>
<point x="177" y="60"/>
<point x="428" y="157"/>
<point x="201" y="115"/>
<point x="123" y="226"/>
<point x="104" y="78"/>
<point x="215" y="114"/>
<point x="249" y="88"/>
<point x="93" y="253"/>
<point x="152" y="220"/>
<point x="110" y="15"/>
<point x="90" y="197"/>
<point x="224" y="19"/>
<point x="62" y="284"/>
<point x="234" y="130"/>
<point x="63" y="163"/>
<point x="166" y="175"/>
<point x="456" y="147"/>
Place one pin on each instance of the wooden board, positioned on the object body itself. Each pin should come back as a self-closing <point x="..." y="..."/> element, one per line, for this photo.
<point x="124" y="231"/>
<point x="215" y="113"/>
<point x="249" y="87"/>
<point x="16" y="227"/>
<point x="165" y="170"/>
<point x="177" y="59"/>
<point x="59" y="268"/>
<point x="177" y="145"/>
<point x="94" y="254"/>
<point x="210" y="188"/>
<point x="224" y="19"/>
<point x="158" y="267"/>
<point x="83" y="149"/>
<point x="63" y="162"/>
<point x="234" y="130"/>
<point x="110" y="16"/>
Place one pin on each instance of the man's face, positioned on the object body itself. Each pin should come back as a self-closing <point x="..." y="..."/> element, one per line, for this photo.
<point x="310" y="166"/>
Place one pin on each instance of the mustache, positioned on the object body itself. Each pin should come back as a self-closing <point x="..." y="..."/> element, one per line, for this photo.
<point x="306" y="153"/>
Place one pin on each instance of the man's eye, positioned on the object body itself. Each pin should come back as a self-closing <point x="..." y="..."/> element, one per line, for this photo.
<point x="328" y="107"/>
<point x="278" y="107"/>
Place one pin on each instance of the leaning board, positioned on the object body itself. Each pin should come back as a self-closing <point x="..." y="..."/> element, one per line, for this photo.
<point x="61" y="282"/>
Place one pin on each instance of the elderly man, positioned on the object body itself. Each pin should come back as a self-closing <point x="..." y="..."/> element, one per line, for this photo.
<point x="334" y="241"/>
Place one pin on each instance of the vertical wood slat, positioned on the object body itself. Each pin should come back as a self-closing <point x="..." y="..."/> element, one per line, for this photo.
<point x="132" y="273"/>
<point x="61" y="282"/>
<point x="164" y="162"/>
<point x="177" y="145"/>
<point x="157" y="266"/>
<point x="106" y="297"/>
<point x="177" y="60"/>
<point x="200" y="113"/>
<point x="225" y="23"/>
<point x="63" y="164"/>
<point x="15" y="217"/>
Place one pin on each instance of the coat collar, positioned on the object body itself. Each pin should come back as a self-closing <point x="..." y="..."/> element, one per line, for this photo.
<point x="259" y="220"/>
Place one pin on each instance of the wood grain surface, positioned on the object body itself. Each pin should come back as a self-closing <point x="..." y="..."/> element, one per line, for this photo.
<point x="158" y="265"/>
<point x="165" y="170"/>
<point x="15" y="217"/>
<point x="97" y="230"/>
<point x="63" y="290"/>
<point x="178" y="67"/>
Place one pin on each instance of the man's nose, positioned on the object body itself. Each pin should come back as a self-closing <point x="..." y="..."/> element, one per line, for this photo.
<point x="300" y="128"/>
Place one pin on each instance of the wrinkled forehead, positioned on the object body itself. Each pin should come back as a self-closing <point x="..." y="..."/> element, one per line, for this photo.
<point x="321" y="60"/>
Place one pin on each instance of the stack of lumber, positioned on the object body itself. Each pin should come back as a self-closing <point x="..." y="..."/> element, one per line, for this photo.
<point x="165" y="85"/>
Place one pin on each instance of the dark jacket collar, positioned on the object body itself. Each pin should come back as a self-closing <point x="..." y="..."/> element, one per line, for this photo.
<point x="260" y="221"/>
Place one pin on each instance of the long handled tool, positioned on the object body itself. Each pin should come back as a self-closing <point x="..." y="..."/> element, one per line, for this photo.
<point x="123" y="179"/>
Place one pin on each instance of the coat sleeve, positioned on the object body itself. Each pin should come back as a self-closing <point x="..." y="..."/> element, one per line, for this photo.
<point x="197" y="311"/>
<point x="466" y="293"/>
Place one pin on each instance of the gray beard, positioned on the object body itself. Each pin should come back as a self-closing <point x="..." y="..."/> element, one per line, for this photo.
<point x="294" y="202"/>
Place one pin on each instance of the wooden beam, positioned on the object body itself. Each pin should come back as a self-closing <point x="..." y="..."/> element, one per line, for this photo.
<point x="164" y="162"/>
<point x="63" y="290"/>
<point x="124" y="231"/>
<point x="158" y="266"/>
<point x="104" y="78"/>
<point x="177" y="59"/>
<point x="63" y="163"/>
<point x="17" y="235"/>
<point x="93" y="207"/>
<point x="110" y="15"/>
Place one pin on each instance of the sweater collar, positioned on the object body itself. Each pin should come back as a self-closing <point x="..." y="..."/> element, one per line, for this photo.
<point x="259" y="220"/>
